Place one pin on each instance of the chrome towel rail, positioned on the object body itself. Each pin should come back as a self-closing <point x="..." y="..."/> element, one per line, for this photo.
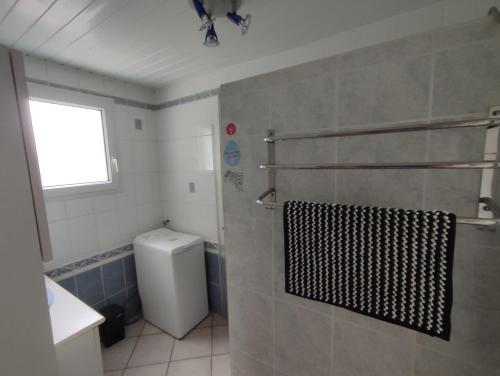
<point x="385" y="166"/>
<point x="414" y="127"/>
<point x="488" y="213"/>
<point x="270" y="193"/>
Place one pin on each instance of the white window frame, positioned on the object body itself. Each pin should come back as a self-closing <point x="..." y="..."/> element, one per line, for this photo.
<point x="105" y="105"/>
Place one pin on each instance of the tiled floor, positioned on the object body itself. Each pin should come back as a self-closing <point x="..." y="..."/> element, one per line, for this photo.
<point x="148" y="351"/>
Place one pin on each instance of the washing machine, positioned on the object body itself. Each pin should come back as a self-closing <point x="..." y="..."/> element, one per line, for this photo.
<point x="172" y="280"/>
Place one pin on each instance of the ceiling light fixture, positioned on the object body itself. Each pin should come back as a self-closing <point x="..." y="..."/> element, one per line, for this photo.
<point x="242" y="23"/>
<point x="211" y="39"/>
<point x="206" y="9"/>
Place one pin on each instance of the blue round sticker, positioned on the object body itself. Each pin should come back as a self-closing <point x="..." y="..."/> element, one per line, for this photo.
<point x="232" y="153"/>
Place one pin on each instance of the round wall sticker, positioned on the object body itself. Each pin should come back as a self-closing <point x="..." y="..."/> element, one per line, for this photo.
<point x="231" y="129"/>
<point x="232" y="153"/>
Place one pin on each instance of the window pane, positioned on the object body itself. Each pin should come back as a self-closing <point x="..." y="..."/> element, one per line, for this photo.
<point x="70" y="144"/>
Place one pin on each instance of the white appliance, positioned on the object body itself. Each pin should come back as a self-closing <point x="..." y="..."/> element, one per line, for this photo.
<point x="172" y="281"/>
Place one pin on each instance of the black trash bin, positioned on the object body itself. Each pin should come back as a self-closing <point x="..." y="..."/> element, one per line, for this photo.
<point x="113" y="329"/>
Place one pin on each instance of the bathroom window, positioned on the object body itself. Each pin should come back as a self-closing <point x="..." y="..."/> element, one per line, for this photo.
<point x="73" y="142"/>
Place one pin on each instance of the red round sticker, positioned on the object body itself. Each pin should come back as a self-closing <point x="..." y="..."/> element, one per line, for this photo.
<point x="231" y="129"/>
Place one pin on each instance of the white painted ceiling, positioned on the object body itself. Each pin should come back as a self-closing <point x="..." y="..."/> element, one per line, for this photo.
<point x="154" y="42"/>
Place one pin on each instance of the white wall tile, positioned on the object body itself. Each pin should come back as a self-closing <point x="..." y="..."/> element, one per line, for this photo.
<point x="107" y="230"/>
<point x="194" y="219"/>
<point x="35" y="68"/>
<point x="178" y="155"/>
<point x="55" y="210"/>
<point x="186" y="156"/>
<point x="114" y="87"/>
<point x="125" y="156"/>
<point x="104" y="220"/>
<point x="79" y="207"/>
<point x="127" y="225"/>
<point x="126" y="196"/>
<point x="62" y="74"/>
<point x="144" y="188"/>
<point x="124" y="122"/>
<point x="90" y="81"/>
<point x="156" y="186"/>
<point x="149" y="217"/>
<point x="83" y="236"/>
<point x="188" y="120"/>
<point x="60" y="242"/>
<point x="177" y="187"/>
<point x="104" y="203"/>
<point x="142" y="156"/>
<point x="154" y="151"/>
<point x="134" y="92"/>
<point x="204" y="153"/>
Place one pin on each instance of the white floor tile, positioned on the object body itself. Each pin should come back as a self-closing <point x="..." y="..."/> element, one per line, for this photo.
<point x="219" y="320"/>
<point x="150" y="329"/>
<point x="191" y="367"/>
<point x="220" y="344"/>
<point x="152" y="349"/>
<point x="155" y="370"/>
<point x="221" y="365"/>
<point x="196" y="344"/>
<point x="205" y="323"/>
<point x="135" y="329"/>
<point x="117" y="356"/>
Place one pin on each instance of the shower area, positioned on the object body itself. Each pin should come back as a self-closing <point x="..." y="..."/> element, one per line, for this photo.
<point x="409" y="124"/>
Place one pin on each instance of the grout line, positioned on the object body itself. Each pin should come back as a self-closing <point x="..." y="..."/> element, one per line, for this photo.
<point x="170" y="358"/>
<point x="194" y="357"/>
<point x="132" y="353"/>
<point x="146" y="365"/>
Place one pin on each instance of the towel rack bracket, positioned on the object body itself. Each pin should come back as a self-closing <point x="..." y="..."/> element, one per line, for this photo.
<point x="495" y="112"/>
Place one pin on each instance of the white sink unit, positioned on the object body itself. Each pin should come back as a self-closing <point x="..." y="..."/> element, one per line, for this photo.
<point x="172" y="280"/>
<point x="75" y="328"/>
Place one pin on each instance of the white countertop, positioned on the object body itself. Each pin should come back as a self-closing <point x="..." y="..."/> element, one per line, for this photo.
<point x="69" y="316"/>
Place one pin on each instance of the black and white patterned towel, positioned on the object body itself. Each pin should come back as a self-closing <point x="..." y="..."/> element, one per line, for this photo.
<point x="390" y="264"/>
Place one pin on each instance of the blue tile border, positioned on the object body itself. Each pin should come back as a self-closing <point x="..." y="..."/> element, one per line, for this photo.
<point x="88" y="261"/>
<point x="131" y="102"/>
<point x="105" y="284"/>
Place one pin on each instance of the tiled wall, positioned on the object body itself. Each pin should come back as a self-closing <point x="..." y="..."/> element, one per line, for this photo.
<point x="449" y="73"/>
<point x="156" y="164"/>
<point x="188" y="134"/>
<point x="185" y="134"/>
<point x="114" y="282"/>
<point x="87" y="225"/>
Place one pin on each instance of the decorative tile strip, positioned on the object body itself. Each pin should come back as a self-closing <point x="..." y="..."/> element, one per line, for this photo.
<point x="130" y="102"/>
<point x="88" y="261"/>
<point x="117" y="100"/>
